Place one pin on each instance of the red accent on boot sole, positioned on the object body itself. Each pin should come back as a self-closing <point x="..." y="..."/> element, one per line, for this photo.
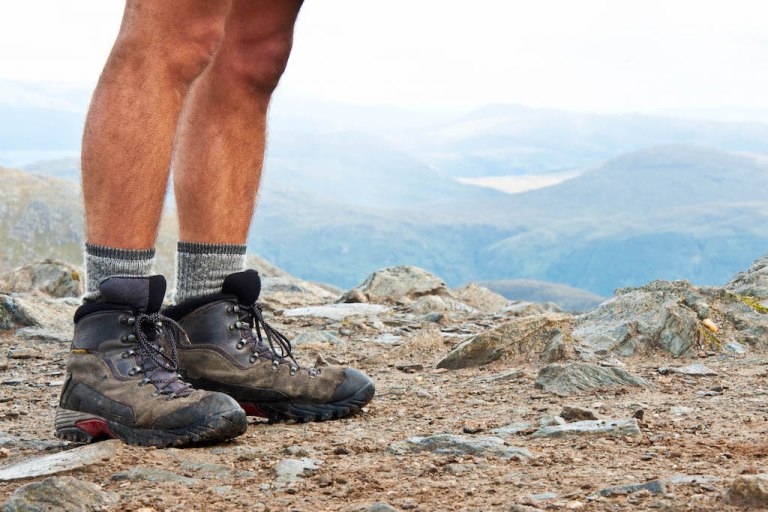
<point x="252" y="410"/>
<point x="95" y="428"/>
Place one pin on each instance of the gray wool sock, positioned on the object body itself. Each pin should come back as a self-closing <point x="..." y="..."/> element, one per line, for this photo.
<point x="102" y="262"/>
<point x="201" y="268"/>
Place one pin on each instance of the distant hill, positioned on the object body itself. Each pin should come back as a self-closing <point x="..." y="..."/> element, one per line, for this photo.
<point x="565" y="297"/>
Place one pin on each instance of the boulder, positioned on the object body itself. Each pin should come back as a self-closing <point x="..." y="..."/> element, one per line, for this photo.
<point x="574" y="378"/>
<point x="37" y="310"/>
<point x="396" y="284"/>
<point x="51" y="277"/>
<point x="753" y="282"/>
<point x="524" y="336"/>
<point x="60" y="493"/>
<point x="480" y="298"/>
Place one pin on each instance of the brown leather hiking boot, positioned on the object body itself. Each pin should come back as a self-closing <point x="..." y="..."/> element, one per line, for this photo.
<point x="230" y="348"/>
<point x="121" y="375"/>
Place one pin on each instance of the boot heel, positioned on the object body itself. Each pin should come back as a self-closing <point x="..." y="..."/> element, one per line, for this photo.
<point x="80" y="427"/>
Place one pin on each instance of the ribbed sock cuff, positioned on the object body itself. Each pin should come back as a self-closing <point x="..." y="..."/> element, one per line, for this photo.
<point x="102" y="262"/>
<point x="201" y="268"/>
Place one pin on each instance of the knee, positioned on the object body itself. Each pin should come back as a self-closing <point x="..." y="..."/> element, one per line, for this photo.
<point x="180" y="50"/>
<point x="256" y="63"/>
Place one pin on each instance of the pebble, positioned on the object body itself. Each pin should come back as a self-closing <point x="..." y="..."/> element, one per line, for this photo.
<point x="291" y="470"/>
<point x="381" y="507"/>
<point x="549" y="421"/>
<point x="23" y="353"/>
<point x="748" y="491"/>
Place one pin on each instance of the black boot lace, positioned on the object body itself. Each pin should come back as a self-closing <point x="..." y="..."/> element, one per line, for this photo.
<point x="264" y="341"/>
<point x="158" y="367"/>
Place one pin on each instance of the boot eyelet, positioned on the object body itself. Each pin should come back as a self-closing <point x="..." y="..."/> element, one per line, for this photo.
<point x="240" y="344"/>
<point x="253" y="358"/>
<point x="236" y="309"/>
<point x="133" y="371"/>
<point x="230" y="309"/>
<point x="131" y="320"/>
<point x="155" y="394"/>
<point x="123" y="319"/>
<point x="127" y="354"/>
<point x="231" y="327"/>
<point x="275" y="365"/>
<point x="294" y="370"/>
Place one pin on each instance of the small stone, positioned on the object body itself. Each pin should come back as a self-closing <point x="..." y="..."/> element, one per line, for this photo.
<point x="296" y="451"/>
<point x="291" y="470"/>
<point x="152" y="475"/>
<point x="458" y="469"/>
<point x="693" y="370"/>
<point x="605" y="428"/>
<point x="709" y="324"/>
<point x="571" y="413"/>
<point x="410" y="368"/>
<point x="23" y="353"/>
<point x="680" y="410"/>
<point x="653" y="487"/>
<point x="60" y="493"/>
<point x="448" y="444"/>
<point x="381" y="507"/>
<point x="639" y="414"/>
<point x="4" y="453"/>
<point x="513" y="429"/>
<point x="748" y="491"/>
<point x="549" y="421"/>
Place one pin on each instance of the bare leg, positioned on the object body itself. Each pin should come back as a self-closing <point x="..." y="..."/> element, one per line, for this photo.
<point x="220" y="138"/>
<point x="161" y="48"/>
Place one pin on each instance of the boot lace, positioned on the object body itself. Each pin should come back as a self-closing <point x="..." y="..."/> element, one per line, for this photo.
<point x="264" y="341"/>
<point x="157" y="366"/>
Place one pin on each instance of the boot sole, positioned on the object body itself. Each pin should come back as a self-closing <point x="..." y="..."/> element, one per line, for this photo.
<point x="80" y="427"/>
<point x="306" y="412"/>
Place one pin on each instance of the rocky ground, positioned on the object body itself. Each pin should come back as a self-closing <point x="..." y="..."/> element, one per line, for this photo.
<point x="654" y="400"/>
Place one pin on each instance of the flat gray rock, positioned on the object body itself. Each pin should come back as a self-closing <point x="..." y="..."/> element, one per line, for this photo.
<point x="153" y="475"/>
<point x="694" y="370"/>
<point x="316" y="337"/>
<point x="574" y="378"/>
<point x="598" y="428"/>
<point x="44" y="335"/>
<point x="449" y="444"/>
<point x="654" y="487"/>
<point x="290" y="470"/>
<point x="337" y="311"/>
<point x="62" y="461"/>
<point x="513" y="429"/>
<point x="60" y="494"/>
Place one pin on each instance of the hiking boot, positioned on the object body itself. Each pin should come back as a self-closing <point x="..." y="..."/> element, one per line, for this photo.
<point x="122" y="379"/>
<point x="231" y="348"/>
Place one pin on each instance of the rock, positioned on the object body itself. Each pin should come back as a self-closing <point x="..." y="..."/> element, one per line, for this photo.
<point x="315" y="338"/>
<point x="425" y="343"/>
<point x="36" y="310"/>
<point x="549" y="421"/>
<point x="459" y="469"/>
<point x="522" y="308"/>
<point x="503" y="376"/>
<point x="44" y="335"/>
<point x="695" y="370"/>
<point x="397" y="284"/>
<point x="513" y="429"/>
<point x="60" y="493"/>
<point x="51" y="277"/>
<point x="522" y="336"/>
<point x="680" y="410"/>
<point x="556" y="348"/>
<point x="24" y="353"/>
<point x="62" y="461"/>
<point x="524" y="508"/>
<point x="290" y="470"/>
<point x="654" y="487"/>
<point x="437" y="304"/>
<point x="381" y="507"/>
<point x="654" y="315"/>
<point x="449" y="444"/>
<point x="288" y="291"/>
<point x="604" y="428"/>
<point x="152" y="475"/>
<point x="480" y="298"/>
<point x="753" y="282"/>
<point x="337" y="311"/>
<point x="748" y="491"/>
<point x="571" y="414"/>
<point x="573" y="378"/>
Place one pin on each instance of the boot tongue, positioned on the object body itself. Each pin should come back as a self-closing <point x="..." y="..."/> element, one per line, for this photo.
<point x="245" y="285"/>
<point x="142" y="294"/>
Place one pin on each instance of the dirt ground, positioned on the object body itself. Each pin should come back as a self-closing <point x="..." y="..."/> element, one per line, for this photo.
<point x="716" y="439"/>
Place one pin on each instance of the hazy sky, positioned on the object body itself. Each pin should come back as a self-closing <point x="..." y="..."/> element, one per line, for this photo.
<point x="613" y="55"/>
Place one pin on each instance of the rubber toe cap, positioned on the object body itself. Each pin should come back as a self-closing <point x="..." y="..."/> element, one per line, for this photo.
<point x="355" y="383"/>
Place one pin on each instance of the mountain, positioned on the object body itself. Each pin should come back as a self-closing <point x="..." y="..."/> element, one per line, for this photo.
<point x="498" y="140"/>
